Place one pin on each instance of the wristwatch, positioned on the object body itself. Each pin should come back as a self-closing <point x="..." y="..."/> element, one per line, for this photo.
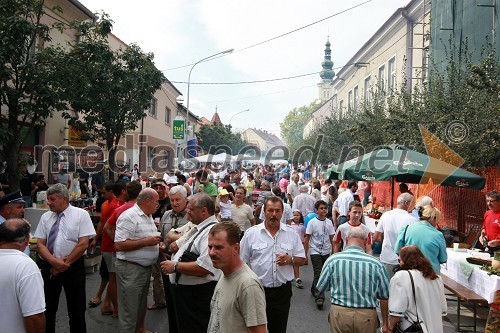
<point x="175" y="267"/>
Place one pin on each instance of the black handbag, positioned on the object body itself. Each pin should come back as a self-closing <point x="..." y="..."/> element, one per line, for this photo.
<point x="188" y="255"/>
<point x="415" y="325"/>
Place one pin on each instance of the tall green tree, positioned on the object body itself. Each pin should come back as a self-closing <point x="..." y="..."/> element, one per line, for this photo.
<point x="30" y="77"/>
<point x="292" y="127"/>
<point x="215" y="136"/>
<point x="113" y="88"/>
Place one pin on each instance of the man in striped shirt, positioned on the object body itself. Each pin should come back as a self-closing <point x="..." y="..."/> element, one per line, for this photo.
<point x="357" y="281"/>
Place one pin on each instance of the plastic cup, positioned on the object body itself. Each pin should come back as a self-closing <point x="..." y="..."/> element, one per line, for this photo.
<point x="455" y="246"/>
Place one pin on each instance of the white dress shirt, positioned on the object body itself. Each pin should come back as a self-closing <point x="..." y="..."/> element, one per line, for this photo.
<point x="343" y="201"/>
<point x="200" y="246"/>
<point x="134" y="224"/>
<point x="74" y="224"/>
<point x="259" y="250"/>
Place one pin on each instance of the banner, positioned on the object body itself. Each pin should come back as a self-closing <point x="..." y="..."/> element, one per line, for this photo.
<point x="178" y="130"/>
<point x="74" y="137"/>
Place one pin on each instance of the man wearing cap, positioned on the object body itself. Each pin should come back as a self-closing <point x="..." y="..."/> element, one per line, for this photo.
<point x="160" y="186"/>
<point x="12" y="207"/>
<point x="21" y="284"/>
<point x="62" y="237"/>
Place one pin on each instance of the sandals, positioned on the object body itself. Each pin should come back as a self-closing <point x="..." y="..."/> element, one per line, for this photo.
<point x="93" y="302"/>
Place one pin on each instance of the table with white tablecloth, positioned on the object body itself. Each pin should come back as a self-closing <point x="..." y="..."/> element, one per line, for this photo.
<point x="479" y="281"/>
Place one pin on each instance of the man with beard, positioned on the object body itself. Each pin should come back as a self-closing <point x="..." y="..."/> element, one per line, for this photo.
<point x="239" y="302"/>
<point x="271" y="249"/>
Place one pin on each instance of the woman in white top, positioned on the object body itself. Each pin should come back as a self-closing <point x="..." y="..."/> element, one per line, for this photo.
<point x="429" y="293"/>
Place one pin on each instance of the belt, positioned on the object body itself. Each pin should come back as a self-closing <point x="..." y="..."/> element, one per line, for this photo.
<point x="130" y="262"/>
<point x="282" y="286"/>
<point x="350" y="307"/>
<point x="343" y="216"/>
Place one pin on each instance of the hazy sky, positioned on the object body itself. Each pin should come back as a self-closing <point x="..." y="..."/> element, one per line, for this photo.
<point x="181" y="32"/>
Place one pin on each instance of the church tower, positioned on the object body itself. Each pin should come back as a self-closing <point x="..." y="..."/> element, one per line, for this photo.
<point x="327" y="74"/>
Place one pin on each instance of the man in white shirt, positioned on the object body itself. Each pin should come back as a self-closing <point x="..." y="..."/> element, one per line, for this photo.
<point x="136" y="244"/>
<point x="241" y="213"/>
<point x="271" y="249"/>
<point x="344" y="199"/>
<point x="191" y="269"/>
<point x="21" y="284"/>
<point x="388" y="228"/>
<point x="304" y="201"/>
<point x="292" y="189"/>
<point x="62" y="237"/>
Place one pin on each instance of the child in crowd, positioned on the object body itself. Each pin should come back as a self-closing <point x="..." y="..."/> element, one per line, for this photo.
<point x="319" y="240"/>
<point x="300" y="229"/>
<point x="224" y="206"/>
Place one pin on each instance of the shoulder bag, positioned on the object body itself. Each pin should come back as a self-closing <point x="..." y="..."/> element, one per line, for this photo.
<point x="415" y="325"/>
<point x="188" y="256"/>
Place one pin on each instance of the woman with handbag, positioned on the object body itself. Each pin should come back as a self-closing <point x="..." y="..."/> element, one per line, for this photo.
<point x="416" y="295"/>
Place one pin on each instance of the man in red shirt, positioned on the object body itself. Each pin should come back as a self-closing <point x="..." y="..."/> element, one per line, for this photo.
<point x="107" y="246"/>
<point x="490" y="234"/>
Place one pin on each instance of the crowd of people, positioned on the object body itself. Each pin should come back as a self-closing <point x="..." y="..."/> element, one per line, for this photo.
<point x="223" y="250"/>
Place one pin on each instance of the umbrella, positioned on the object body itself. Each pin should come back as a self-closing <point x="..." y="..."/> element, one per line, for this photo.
<point x="331" y="173"/>
<point x="398" y="163"/>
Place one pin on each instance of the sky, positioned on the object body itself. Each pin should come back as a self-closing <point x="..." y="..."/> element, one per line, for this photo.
<point x="182" y="32"/>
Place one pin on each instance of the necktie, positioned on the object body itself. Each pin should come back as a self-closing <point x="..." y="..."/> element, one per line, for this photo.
<point x="51" y="240"/>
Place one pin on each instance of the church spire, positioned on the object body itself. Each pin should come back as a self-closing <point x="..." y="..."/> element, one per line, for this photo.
<point x="327" y="73"/>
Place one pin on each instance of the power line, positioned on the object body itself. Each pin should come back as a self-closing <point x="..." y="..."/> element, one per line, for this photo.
<point x="279" y="36"/>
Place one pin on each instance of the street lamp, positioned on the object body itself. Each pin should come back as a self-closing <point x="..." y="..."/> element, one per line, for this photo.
<point x="237" y="113"/>
<point x="196" y="63"/>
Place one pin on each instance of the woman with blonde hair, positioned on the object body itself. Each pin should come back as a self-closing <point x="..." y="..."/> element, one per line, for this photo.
<point x="416" y="294"/>
<point x="425" y="235"/>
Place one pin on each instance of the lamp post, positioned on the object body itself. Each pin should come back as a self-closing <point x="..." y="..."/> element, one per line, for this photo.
<point x="196" y="63"/>
<point x="237" y="113"/>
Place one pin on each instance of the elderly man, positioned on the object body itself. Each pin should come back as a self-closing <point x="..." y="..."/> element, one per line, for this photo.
<point x="12" y="207"/>
<point x="271" y="249"/>
<point x="304" y="201"/>
<point x="353" y="299"/>
<point x="136" y="245"/>
<point x="292" y="190"/>
<point x="21" y="284"/>
<point x="62" y="237"/>
<point x="171" y="220"/>
<point x="191" y="270"/>
<point x="343" y="201"/>
<point x="388" y="228"/>
<point x="239" y="302"/>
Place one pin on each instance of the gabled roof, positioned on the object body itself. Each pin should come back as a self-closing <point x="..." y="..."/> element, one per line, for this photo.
<point x="216" y="119"/>
<point x="268" y="137"/>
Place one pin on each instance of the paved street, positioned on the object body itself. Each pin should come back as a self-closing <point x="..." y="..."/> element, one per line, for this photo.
<point x="304" y="317"/>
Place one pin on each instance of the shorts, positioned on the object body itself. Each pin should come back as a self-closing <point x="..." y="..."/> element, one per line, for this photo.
<point x="110" y="259"/>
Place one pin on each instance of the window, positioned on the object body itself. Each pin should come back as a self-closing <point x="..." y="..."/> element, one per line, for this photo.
<point x="326" y="94"/>
<point x="381" y="78"/>
<point x="349" y="101"/>
<point x="366" y="92"/>
<point x="152" y="107"/>
<point x="391" y="68"/>
<point x="341" y="107"/>
<point x="356" y="95"/>
<point x="168" y="114"/>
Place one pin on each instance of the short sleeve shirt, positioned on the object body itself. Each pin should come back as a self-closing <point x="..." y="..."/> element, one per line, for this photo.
<point x="320" y="231"/>
<point x="341" y="233"/>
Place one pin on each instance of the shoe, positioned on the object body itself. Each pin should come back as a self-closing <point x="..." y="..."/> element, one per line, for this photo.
<point x="93" y="302"/>
<point x="106" y="313"/>
<point x="156" y="306"/>
<point x="299" y="284"/>
<point x="319" y="303"/>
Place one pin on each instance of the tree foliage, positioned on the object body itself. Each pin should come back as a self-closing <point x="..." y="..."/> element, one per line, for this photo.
<point x="30" y="77"/>
<point x="292" y="127"/>
<point x="211" y="137"/>
<point x="459" y="106"/>
<point x="113" y="87"/>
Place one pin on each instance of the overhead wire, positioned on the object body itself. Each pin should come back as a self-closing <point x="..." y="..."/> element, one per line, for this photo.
<point x="276" y="37"/>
